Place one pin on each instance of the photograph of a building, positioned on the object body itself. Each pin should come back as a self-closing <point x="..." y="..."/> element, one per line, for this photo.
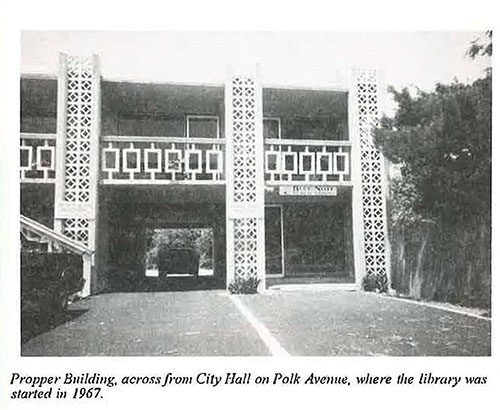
<point x="162" y="162"/>
<point x="239" y="185"/>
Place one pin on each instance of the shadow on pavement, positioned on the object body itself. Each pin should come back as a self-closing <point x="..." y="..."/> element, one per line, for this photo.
<point x="34" y="324"/>
<point x="169" y="284"/>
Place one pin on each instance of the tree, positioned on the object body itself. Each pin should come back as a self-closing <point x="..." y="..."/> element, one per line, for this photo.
<point x="441" y="141"/>
<point x="481" y="47"/>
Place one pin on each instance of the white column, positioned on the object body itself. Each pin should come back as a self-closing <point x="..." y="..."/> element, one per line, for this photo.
<point x="77" y="167"/>
<point x="356" y="197"/>
<point x="62" y="81"/>
<point x="245" y="239"/>
<point x="371" y="244"/>
<point x="87" y="274"/>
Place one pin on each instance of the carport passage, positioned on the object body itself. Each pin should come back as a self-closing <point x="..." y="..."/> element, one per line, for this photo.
<point x="200" y="323"/>
<point x="336" y="323"/>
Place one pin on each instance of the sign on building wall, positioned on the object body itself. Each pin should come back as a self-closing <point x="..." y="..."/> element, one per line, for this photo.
<point x="307" y="190"/>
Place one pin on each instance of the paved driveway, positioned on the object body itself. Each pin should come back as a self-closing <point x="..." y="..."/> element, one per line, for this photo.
<point x="303" y="323"/>
<point x="329" y="323"/>
<point x="198" y="323"/>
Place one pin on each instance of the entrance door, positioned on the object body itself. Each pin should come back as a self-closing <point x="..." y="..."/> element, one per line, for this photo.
<point x="274" y="240"/>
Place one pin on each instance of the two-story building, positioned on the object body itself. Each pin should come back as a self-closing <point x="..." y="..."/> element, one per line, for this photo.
<point x="282" y="183"/>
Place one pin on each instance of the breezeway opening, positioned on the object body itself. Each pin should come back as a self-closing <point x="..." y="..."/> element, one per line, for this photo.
<point x="188" y="223"/>
<point x="179" y="252"/>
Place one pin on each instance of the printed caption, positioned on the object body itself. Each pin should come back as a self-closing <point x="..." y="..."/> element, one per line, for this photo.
<point x="94" y="386"/>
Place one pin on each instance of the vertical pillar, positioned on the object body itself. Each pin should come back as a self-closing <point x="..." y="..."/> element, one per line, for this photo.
<point x="371" y="246"/>
<point x="245" y="240"/>
<point x="78" y="127"/>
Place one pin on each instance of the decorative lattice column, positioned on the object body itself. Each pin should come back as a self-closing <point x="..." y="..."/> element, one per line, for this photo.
<point x="78" y="113"/>
<point x="245" y="247"/>
<point x="371" y="244"/>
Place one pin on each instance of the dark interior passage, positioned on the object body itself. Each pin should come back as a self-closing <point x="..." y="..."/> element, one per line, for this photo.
<point x="155" y="245"/>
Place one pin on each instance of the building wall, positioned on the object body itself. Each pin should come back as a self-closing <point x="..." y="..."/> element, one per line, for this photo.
<point x="38" y="105"/>
<point x="37" y="203"/>
<point x="99" y="279"/>
<point x="156" y="109"/>
<point x="308" y="114"/>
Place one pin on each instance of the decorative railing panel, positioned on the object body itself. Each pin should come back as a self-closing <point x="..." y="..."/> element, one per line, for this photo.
<point x="37" y="158"/>
<point x="307" y="161"/>
<point x="161" y="160"/>
<point x="164" y="160"/>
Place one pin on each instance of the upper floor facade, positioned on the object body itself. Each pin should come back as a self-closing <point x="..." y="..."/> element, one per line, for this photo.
<point x="176" y="133"/>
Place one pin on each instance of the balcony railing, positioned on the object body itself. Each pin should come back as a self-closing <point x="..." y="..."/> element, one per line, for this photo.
<point x="162" y="160"/>
<point x="38" y="158"/>
<point x="166" y="160"/>
<point x="307" y="162"/>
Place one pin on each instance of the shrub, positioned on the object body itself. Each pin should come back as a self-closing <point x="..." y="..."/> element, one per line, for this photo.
<point x="369" y="283"/>
<point x="246" y="285"/>
<point x="48" y="280"/>
<point x="382" y="283"/>
<point x="375" y="283"/>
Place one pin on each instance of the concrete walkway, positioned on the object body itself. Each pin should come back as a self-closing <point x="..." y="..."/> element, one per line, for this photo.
<point x="301" y="323"/>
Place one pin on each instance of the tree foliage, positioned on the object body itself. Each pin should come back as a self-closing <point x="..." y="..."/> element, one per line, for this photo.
<point x="199" y="239"/>
<point x="442" y="143"/>
<point x="481" y="47"/>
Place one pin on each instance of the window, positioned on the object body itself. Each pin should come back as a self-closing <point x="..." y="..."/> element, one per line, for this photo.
<point x="272" y="128"/>
<point x="202" y="126"/>
<point x="150" y="124"/>
<point x="319" y="127"/>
